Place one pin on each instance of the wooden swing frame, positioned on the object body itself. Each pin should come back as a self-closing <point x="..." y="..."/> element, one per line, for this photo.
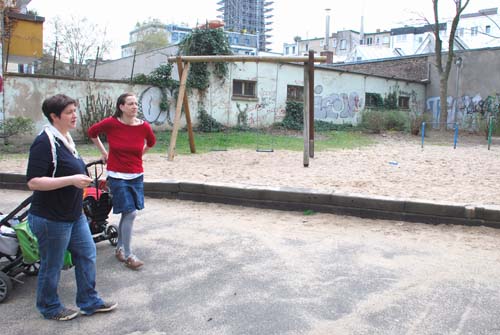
<point x="183" y="64"/>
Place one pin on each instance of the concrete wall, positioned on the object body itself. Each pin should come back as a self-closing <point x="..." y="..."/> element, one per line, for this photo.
<point x="339" y="96"/>
<point x="24" y="94"/>
<point x="121" y="69"/>
<point x="473" y="88"/>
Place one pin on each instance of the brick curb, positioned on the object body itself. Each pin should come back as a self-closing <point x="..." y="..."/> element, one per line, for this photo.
<point x="296" y="199"/>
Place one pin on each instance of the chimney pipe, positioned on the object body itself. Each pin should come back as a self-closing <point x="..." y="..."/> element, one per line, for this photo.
<point x="327" y="30"/>
<point x="362" y="31"/>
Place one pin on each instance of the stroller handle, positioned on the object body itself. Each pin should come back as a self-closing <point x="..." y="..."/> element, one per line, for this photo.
<point x="98" y="162"/>
<point x="97" y="171"/>
<point x="26" y="202"/>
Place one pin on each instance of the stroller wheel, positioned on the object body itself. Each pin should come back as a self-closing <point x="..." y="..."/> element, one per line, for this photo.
<point x="32" y="269"/>
<point x="112" y="234"/>
<point x="5" y="286"/>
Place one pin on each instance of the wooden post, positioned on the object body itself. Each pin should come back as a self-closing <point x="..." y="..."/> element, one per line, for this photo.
<point x="310" y="66"/>
<point x="186" y="110"/>
<point x="178" y="108"/>
<point x="306" y="115"/>
<point x="246" y="58"/>
<point x="308" y="62"/>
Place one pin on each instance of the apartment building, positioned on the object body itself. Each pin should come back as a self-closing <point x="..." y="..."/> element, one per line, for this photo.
<point x="475" y="30"/>
<point x="248" y="16"/>
<point x="174" y="33"/>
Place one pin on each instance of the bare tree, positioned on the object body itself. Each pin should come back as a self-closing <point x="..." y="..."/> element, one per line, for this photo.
<point x="77" y="40"/>
<point x="151" y="34"/>
<point x="444" y="70"/>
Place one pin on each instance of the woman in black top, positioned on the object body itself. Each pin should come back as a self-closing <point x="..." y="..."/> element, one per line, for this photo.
<point x="56" y="174"/>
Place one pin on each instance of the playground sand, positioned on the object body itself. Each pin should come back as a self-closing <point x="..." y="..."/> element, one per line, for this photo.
<point x="396" y="166"/>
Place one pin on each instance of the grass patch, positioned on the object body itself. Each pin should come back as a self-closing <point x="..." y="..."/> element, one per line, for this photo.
<point x="232" y="139"/>
<point x="252" y="140"/>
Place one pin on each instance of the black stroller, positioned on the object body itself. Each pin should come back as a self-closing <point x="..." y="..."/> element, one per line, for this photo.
<point x="18" y="249"/>
<point x="97" y="205"/>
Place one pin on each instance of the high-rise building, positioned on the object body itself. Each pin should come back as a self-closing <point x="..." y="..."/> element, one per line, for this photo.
<point x="248" y="16"/>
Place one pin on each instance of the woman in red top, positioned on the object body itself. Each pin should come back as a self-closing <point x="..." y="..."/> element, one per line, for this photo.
<point x="128" y="140"/>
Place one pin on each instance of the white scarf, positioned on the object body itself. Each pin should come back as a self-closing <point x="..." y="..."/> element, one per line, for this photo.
<point x="66" y="140"/>
<point x="52" y="134"/>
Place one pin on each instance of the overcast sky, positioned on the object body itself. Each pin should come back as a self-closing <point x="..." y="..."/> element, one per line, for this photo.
<point x="291" y="18"/>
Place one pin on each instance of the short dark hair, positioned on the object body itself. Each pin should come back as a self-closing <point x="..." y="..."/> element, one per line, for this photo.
<point x="56" y="104"/>
<point x="121" y="101"/>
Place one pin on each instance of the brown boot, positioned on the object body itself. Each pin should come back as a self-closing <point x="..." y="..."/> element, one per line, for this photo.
<point x="134" y="263"/>
<point x="120" y="256"/>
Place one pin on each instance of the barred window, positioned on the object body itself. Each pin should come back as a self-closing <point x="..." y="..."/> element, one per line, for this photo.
<point x="244" y="88"/>
<point x="295" y="93"/>
<point x="404" y="102"/>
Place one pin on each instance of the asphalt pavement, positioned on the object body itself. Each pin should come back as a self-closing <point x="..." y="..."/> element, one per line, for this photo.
<point x="221" y="269"/>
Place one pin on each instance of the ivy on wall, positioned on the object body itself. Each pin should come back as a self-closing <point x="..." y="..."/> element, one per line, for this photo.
<point x="161" y="77"/>
<point x="205" y="42"/>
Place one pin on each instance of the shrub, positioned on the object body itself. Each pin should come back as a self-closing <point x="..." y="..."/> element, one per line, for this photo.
<point x="373" y="121"/>
<point x="378" y="120"/>
<point x="207" y="124"/>
<point x="396" y="120"/>
<point x="15" y="126"/>
<point x="294" y="115"/>
<point x="320" y="125"/>
<point x="416" y="121"/>
<point x="96" y="108"/>
<point x="391" y="101"/>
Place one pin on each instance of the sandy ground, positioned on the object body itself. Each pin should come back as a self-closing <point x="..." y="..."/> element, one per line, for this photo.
<point x="395" y="166"/>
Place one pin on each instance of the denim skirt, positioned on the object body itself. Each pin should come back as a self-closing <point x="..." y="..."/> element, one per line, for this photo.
<point x="127" y="195"/>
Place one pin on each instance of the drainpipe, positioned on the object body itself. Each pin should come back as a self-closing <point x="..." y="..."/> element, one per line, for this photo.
<point x="458" y="63"/>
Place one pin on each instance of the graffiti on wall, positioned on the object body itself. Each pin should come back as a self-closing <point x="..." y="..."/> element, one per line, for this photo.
<point x="333" y="106"/>
<point x="465" y="110"/>
<point x="150" y="104"/>
<point x="265" y="111"/>
<point x="414" y="104"/>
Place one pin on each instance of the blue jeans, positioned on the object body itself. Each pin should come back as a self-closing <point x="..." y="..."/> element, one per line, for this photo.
<point x="54" y="238"/>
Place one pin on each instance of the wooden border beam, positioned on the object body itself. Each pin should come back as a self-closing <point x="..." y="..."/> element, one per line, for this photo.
<point x="246" y="58"/>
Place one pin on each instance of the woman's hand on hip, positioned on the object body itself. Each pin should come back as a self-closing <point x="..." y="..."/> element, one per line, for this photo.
<point x="104" y="157"/>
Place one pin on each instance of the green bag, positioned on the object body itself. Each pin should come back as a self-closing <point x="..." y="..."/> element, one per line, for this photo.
<point x="29" y="245"/>
<point x="27" y="242"/>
